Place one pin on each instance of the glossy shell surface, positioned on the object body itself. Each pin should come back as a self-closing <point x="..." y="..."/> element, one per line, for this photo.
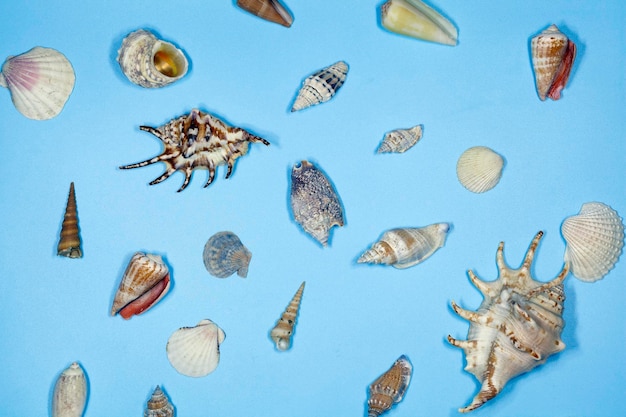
<point x="321" y="86"/>
<point x="389" y="388"/>
<point x="224" y="254"/>
<point x="69" y="241"/>
<point x="159" y="405"/>
<point x="195" y="351"/>
<point x="416" y="19"/>
<point x="400" y="140"/>
<point x="479" y="169"/>
<point x="282" y="333"/>
<point x="270" y="10"/>
<point x="69" y="397"/>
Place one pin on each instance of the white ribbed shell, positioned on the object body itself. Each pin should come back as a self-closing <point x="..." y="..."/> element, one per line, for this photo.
<point x="321" y="86"/>
<point x="594" y="241"/>
<point x="479" y="169"/>
<point x="195" y="351"/>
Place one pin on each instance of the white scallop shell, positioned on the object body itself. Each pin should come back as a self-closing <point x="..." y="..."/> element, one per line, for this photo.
<point x="70" y="393"/>
<point x="321" y="86"/>
<point x="479" y="169"/>
<point x="594" y="241"/>
<point x="195" y="351"/>
<point x="40" y="81"/>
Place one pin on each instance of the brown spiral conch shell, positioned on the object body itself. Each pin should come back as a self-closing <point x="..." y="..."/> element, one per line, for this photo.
<point x="270" y="10"/>
<point x="159" y="405"/>
<point x="195" y="351"/>
<point x="70" y="393"/>
<point x="282" y="333"/>
<point x="69" y="242"/>
<point x="198" y="141"/>
<point x="314" y="202"/>
<point x="145" y="281"/>
<point x="224" y="254"/>
<point x="516" y="328"/>
<point x="400" y="140"/>
<point x="389" y="388"/>
<point x="321" y="86"/>
<point x="406" y="246"/>
<point x="552" y="55"/>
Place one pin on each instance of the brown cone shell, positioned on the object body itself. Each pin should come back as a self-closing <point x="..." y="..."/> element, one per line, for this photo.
<point x="69" y="243"/>
<point x="270" y="10"/>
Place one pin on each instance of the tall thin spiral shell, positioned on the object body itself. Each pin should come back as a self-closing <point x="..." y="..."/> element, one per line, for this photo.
<point x="400" y="140"/>
<point x="195" y="351"/>
<point x="389" y="388"/>
<point x="159" y="405"/>
<point x="69" y="241"/>
<point x="70" y="393"/>
<point x="224" y="254"/>
<point x="321" y="86"/>
<point x="282" y="333"/>
<point x="594" y="241"/>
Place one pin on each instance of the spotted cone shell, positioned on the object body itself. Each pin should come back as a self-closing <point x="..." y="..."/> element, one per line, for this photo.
<point x="69" y="241"/>
<point x="594" y="241"/>
<point x="400" y="140"/>
<point x="321" y="86"/>
<point x="389" y="388"/>
<point x="282" y="333"/>
<point x="516" y="328"/>
<point x="195" y="351"/>
<point x="479" y="169"/>
<point x="159" y="405"/>
<point x="70" y="393"/>
<point x="270" y="10"/>
<point x="224" y="254"/>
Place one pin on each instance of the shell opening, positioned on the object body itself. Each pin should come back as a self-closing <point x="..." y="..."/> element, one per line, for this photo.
<point x="169" y="61"/>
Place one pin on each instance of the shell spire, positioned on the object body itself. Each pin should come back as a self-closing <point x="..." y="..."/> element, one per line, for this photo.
<point x="69" y="242"/>
<point x="390" y="387"/>
<point x="159" y="405"/>
<point x="70" y="393"/>
<point x="282" y="333"/>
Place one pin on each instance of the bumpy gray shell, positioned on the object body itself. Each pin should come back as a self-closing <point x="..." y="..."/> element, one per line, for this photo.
<point x="224" y="254"/>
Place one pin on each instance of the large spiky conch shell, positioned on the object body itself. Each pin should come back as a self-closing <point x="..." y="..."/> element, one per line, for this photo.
<point x="552" y="55"/>
<point x="195" y="351"/>
<point x="516" y="328"/>
<point x="282" y="333"/>
<point x="69" y="241"/>
<point x="151" y="62"/>
<point x="321" y="86"/>
<point x="415" y="19"/>
<point x="40" y="81"/>
<point x="70" y="393"/>
<point x="145" y="281"/>
<point x="594" y="241"/>
<point x="159" y="405"/>
<point x="406" y="246"/>
<point x="389" y="388"/>
<point x="270" y="10"/>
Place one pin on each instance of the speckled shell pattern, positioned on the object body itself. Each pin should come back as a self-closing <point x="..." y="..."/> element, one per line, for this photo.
<point x="516" y="328"/>
<point x="69" y="397"/>
<point x="406" y="246"/>
<point x="390" y="387"/>
<point x="150" y="62"/>
<point x="314" y="202"/>
<point x="400" y="140"/>
<point x="158" y="405"/>
<point x="321" y="86"/>
<point x="552" y="55"/>
<point x="195" y="351"/>
<point x="198" y="141"/>
<point x="282" y="333"/>
<point x="270" y="10"/>
<point x="224" y="254"/>
<point x="69" y="241"/>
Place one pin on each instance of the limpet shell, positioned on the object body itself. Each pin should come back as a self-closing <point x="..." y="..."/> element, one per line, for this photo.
<point x="479" y="169"/>
<point x="195" y="351"/>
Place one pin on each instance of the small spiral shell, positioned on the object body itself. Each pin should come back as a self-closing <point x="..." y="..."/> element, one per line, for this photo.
<point x="400" y="140"/>
<point x="69" y="242"/>
<point x="282" y="333"/>
<point x="159" y="405"/>
<point x="389" y="388"/>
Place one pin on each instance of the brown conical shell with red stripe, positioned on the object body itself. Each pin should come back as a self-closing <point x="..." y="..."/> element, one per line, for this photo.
<point x="145" y="282"/>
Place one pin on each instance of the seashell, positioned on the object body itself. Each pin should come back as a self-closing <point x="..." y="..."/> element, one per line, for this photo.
<point x="150" y="62"/>
<point x="406" y="246"/>
<point x="415" y="19"/>
<point x="594" y="241"/>
<point x="70" y="393"/>
<point x="159" y="405"/>
<point x="314" y="202"/>
<point x="516" y="328"/>
<point x="198" y="141"/>
<point x="145" y="282"/>
<point x="400" y="140"/>
<point x="270" y="10"/>
<point x="224" y="254"/>
<point x="321" y="86"/>
<point x="69" y="241"/>
<point x="195" y="351"/>
<point x="282" y="333"/>
<point x="479" y="169"/>
<point x="40" y="81"/>
<point x="389" y="388"/>
<point x="552" y="55"/>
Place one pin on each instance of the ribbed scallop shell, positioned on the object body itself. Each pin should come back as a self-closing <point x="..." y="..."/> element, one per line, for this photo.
<point x="479" y="169"/>
<point x="407" y="246"/>
<point x="224" y="254"/>
<point x="314" y="201"/>
<point x="150" y="62"/>
<point x="516" y="328"/>
<point x="69" y="241"/>
<point x="282" y="333"/>
<point x="400" y="140"/>
<point x="270" y="10"/>
<point x="389" y="388"/>
<point x="415" y="19"/>
<point x="159" y="405"/>
<point x="552" y="55"/>
<point x="70" y="393"/>
<point x="145" y="281"/>
<point x="195" y="351"/>
<point x="594" y="241"/>
<point x="321" y="86"/>
<point x="40" y="81"/>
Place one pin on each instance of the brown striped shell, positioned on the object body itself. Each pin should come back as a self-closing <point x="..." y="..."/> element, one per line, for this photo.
<point x="159" y="405"/>
<point x="389" y="388"/>
<point x="270" y="10"/>
<point x="69" y="242"/>
<point x="282" y="333"/>
<point x="321" y="86"/>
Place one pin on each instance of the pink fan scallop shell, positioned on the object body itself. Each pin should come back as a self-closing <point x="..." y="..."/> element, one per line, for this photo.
<point x="195" y="351"/>
<point x="594" y="238"/>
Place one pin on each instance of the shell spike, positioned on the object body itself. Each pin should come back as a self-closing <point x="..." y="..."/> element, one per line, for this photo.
<point x="69" y="242"/>
<point x="463" y="344"/>
<point x="530" y="253"/>
<point x="482" y="286"/>
<point x="466" y="314"/>
<point x="282" y="333"/>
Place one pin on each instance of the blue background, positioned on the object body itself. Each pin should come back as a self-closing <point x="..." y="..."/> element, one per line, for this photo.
<point x="355" y="320"/>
